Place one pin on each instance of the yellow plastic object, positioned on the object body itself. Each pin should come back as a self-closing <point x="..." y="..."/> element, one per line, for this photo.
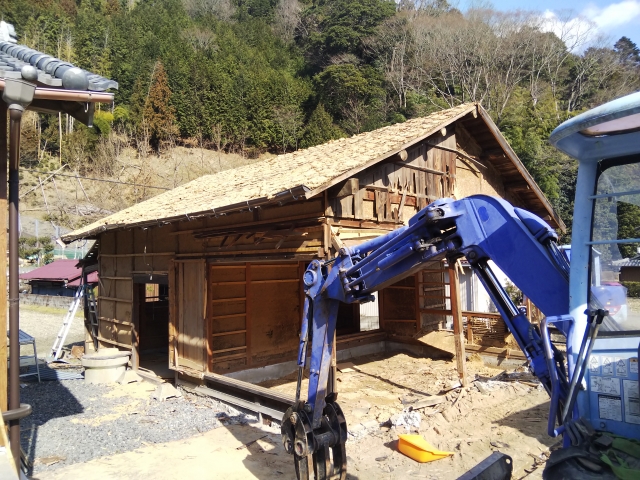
<point x="416" y="447"/>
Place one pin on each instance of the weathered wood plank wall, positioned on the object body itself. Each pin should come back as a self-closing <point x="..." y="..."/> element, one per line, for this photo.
<point x="243" y="307"/>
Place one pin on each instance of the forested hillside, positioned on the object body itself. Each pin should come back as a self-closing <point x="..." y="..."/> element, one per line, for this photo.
<point x="251" y="76"/>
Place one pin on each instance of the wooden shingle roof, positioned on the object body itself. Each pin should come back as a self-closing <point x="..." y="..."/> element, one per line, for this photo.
<point x="300" y="174"/>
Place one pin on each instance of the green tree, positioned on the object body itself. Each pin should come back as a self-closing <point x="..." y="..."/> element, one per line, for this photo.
<point x="628" y="227"/>
<point x="36" y="249"/>
<point x="340" y="26"/>
<point x="320" y="129"/>
<point x="628" y="51"/>
<point x="353" y="95"/>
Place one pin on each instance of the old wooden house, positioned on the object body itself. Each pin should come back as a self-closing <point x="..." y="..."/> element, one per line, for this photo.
<point x="225" y="253"/>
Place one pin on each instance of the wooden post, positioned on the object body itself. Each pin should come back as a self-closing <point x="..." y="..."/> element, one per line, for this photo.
<point x="248" y="319"/>
<point x="332" y="382"/>
<point x="138" y="295"/>
<point x="3" y="256"/>
<point x="456" y="311"/>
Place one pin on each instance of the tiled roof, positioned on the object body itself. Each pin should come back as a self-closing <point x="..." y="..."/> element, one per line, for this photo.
<point x="60" y="270"/>
<point x="50" y="69"/>
<point x="629" y="262"/>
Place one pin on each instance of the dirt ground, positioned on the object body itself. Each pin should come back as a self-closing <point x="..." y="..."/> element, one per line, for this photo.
<point x="505" y="412"/>
<point x="43" y="323"/>
<point x="508" y="416"/>
<point x="218" y="454"/>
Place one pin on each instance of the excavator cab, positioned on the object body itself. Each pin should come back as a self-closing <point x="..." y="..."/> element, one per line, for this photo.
<point x="605" y="264"/>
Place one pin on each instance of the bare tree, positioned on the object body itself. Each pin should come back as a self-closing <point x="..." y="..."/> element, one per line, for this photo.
<point x="223" y="9"/>
<point x="561" y="35"/>
<point x="287" y="19"/>
<point x="199" y="38"/>
<point x="484" y="56"/>
<point x="355" y="113"/>
<point x="289" y="121"/>
<point x="393" y="45"/>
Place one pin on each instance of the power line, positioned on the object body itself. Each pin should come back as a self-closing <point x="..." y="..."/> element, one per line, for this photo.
<point x="90" y="178"/>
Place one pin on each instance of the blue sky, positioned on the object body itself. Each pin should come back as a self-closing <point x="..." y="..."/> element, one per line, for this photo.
<point x="613" y="18"/>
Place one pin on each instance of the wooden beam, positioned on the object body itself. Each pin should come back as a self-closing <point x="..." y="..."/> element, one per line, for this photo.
<point x="129" y="255"/>
<point x="402" y="155"/>
<point x="421" y="169"/>
<point x="349" y="187"/>
<point x="313" y="216"/>
<point x="335" y="240"/>
<point x="233" y="251"/>
<point x="456" y="311"/>
<point x="248" y="319"/>
<point x="516" y="185"/>
<point x="500" y="352"/>
<point x="364" y="224"/>
<point x="138" y="293"/>
<point x="326" y="241"/>
<point x="113" y="342"/>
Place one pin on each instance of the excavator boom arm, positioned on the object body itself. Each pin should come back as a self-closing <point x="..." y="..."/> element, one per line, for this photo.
<point x="480" y="228"/>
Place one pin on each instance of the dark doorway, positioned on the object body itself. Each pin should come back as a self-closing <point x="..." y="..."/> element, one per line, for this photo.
<point x="152" y="324"/>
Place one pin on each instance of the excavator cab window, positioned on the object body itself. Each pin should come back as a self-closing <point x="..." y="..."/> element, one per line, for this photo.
<point x="615" y="240"/>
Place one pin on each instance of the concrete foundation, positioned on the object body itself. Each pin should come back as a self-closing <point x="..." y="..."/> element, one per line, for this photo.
<point x="279" y="370"/>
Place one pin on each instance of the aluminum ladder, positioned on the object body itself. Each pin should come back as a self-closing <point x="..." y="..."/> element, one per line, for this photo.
<point x="56" y="349"/>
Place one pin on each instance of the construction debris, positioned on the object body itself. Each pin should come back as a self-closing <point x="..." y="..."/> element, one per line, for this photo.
<point x="385" y="396"/>
<point x="407" y="418"/>
<point x="77" y="351"/>
<point x="129" y="376"/>
<point x="164" y="391"/>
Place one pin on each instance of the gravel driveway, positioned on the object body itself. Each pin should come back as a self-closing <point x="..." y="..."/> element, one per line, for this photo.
<point x="75" y="422"/>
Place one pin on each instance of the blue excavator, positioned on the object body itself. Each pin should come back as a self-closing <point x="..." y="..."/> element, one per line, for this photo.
<point x="593" y="386"/>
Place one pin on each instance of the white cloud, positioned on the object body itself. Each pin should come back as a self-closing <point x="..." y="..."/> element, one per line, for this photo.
<point x="592" y="24"/>
<point x="614" y="15"/>
<point x="576" y="31"/>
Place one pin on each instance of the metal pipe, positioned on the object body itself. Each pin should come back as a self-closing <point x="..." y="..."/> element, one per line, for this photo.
<point x="571" y="401"/>
<point x="553" y="375"/>
<point x="304" y="341"/>
<point x="23" y="411"/>
<point x="69" y="95"/>
<point x="15" y="115"/>
<point x="578" y="367"/>
<point x="3" y="255"/>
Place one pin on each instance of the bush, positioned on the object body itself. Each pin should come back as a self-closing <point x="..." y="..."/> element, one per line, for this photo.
<point x="633" y="289"/>
<point x="34" y="248"/>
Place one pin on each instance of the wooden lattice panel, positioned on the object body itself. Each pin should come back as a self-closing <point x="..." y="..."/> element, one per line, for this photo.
<point x="485" y="328"/>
